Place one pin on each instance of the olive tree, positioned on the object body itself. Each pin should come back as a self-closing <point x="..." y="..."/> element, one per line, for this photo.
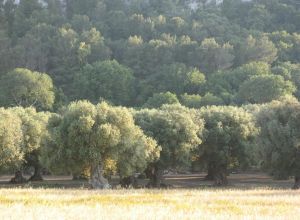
<point x="22" y="130"/>
<point x="278" y="142"/>
<point x="226" y="137"/>
<point x="34" y="125"/>
<point x="97" y="137"/>
<point x="176" y="129"/>
<point x="22" y="87"/>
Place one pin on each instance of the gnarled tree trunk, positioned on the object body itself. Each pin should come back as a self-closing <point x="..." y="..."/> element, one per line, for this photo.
<point x="97" y="180"/>
<point x="220" y="177"/>
<point x="155" y="176"/>
<point x="37" y="176"/>
<point x="33" y="161"/>
<point x="18" y="178"/>
<point x="210" y="173"/>
<point x="297" y="182"/>
<point x="127" y="182"/>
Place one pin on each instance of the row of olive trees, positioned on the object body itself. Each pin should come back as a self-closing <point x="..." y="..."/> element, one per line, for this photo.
<point x="107" y="140"/>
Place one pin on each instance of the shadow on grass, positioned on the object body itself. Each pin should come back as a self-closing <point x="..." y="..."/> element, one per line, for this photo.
<point x="248" y="181"/>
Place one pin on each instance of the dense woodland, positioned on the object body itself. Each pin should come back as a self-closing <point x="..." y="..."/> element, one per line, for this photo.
<point x="116" y="87"/>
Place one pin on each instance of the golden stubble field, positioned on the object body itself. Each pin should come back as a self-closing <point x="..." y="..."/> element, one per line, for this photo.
<point x="209" y="203"/>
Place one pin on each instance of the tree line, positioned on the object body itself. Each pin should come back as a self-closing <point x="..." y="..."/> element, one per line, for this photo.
<point x="104" y="140"/>
<point x="167" y="84"/>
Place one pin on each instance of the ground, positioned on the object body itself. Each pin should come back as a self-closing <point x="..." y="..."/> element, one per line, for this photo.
<point x="244" y="180"/>
<point x="249" y="196"/>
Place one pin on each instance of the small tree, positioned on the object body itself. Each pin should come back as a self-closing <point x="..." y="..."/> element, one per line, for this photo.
<point x="227" y="133"/>
<point x="191" y="101"/>
<point x="196" y="101"/>
<point x="22" y="87"/>
<point x="159" y="99"/>
<point x="256" y="49"/>
<point x="211" y="56"/>
<point x="98" y="137"/>
<point x="278" y="142"/>
<point x="262" y="89"/>
<point x="178" y="78"/>
<point x="176" y="130"/>
<point x="21" y="136"/>
<point x="108" y="80"/>
<point x="34" y="126"/>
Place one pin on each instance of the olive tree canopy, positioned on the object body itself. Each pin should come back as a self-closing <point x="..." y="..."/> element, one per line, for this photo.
<point x="22" y="87"/>
<point x="34" y="129"/>
<point x="176" y="129"/>
<point x="227" y="134"/>
<point x="98" y="137"/>
<point x="278" y="142"/>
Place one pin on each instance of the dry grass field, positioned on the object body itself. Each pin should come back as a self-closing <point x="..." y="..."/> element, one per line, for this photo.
<point x="244" y="199"/>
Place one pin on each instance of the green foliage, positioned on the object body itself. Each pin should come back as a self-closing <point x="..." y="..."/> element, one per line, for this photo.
<point x="176" y="130"/>
<point x="177" y="78"/>
<point x="263" y="15"/>
<point x="71" y="51"/>
<point x="227" y="84"/>
<point x="140" y="53"/>
<point x="262" y="89"/>
<point x="25" y="88"/>
<point x="166" y="45"/>
<point x="11" y="139"/>
<point x="159" y="99"/>
<point x="22" y="134"/>
<point x="34" y="130"/>
<point x="246" y="71"/>
<point x="278" y="147"/>
<point x="210" y="99"/>
<point x="256" y="49"/>
<point x="227" y="134"/>
<point x="25" y="16"/>
<point x="287" y="44"/>
<point x="33" y="127"/>
<point x="212" y="56"/>
<point x="191" y="101"/>
<point x="196" y="101"/>
<point x="108" y="80"/>
<point x="86" y="135"/>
